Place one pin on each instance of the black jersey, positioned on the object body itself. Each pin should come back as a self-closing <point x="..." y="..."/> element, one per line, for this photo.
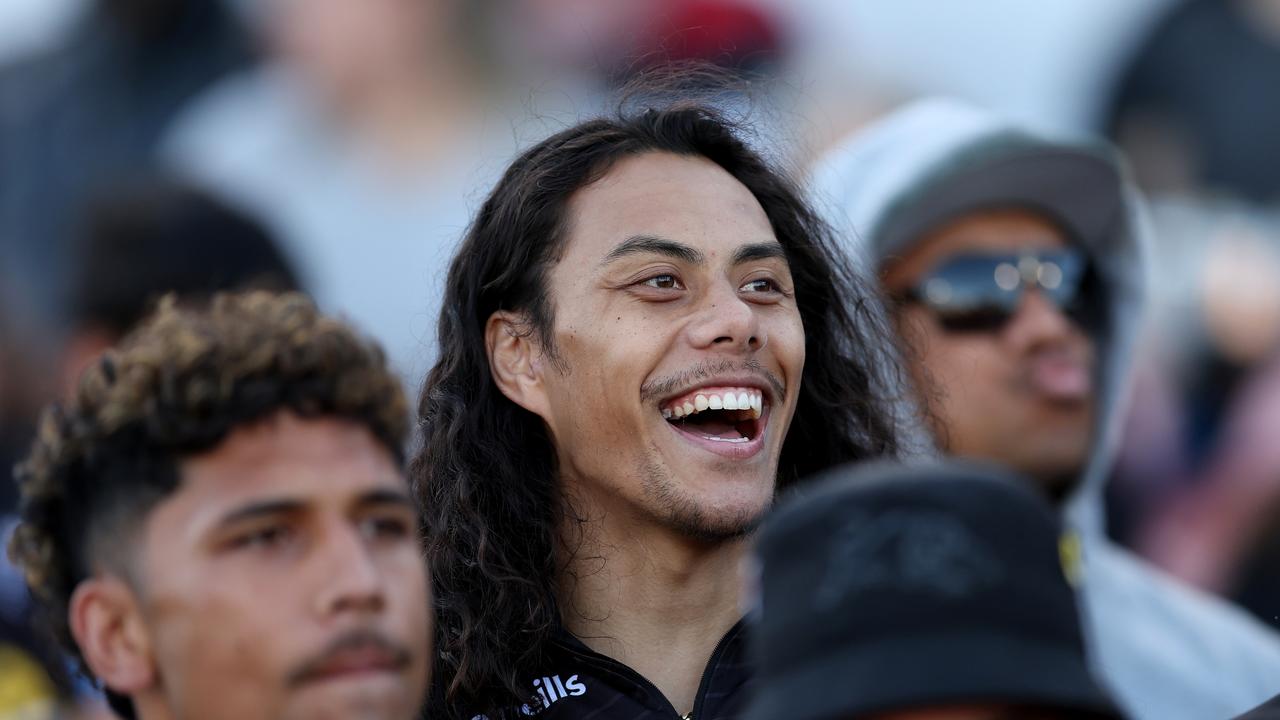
<point x="578" y="683"/>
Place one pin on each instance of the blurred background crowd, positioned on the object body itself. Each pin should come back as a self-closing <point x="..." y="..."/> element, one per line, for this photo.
<point x="341" y="146"/>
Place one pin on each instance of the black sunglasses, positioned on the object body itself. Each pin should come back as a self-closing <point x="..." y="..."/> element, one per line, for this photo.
<point x="980" y="292"/>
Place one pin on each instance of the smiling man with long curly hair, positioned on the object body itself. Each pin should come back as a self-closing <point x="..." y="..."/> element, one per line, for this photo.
<point x="646" y="334"/>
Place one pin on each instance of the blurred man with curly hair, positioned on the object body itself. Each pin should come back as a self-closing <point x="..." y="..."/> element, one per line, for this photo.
<point x="218" y="522"/>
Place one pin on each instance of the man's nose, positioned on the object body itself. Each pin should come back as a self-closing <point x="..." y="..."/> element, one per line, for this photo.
<point x="1039" y="320"/>
<point x="726" y="321"/>
<point x="350" y="579"/>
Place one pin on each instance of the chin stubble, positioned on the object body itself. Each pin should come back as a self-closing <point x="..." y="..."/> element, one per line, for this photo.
<point x="681" y="513"/>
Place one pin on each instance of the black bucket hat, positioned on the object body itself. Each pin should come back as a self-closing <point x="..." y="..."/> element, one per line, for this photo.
<point x="888" y="587"/>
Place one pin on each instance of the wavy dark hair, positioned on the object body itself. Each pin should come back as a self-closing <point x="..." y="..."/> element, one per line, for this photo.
<point x="486" y="473"/>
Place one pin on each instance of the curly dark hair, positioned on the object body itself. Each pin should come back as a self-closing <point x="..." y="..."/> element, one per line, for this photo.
<point x="176" y="387"/>
<point x="486" y="475"/>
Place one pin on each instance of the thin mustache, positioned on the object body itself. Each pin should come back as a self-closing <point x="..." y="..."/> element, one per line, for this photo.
<point x="659" y="388"/>
<point x="355" y="639"/>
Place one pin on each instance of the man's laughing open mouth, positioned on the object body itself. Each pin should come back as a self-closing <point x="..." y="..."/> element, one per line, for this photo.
<point x="728" y="420"/>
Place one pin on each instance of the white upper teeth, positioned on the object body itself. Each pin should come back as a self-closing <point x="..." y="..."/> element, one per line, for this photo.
<point x="726" y="400"/>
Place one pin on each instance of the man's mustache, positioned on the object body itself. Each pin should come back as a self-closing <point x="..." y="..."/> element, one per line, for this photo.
<point x="394" y="655"/>
<point x="659" y="388"/>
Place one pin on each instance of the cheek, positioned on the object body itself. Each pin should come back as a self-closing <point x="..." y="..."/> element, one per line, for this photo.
<point x="946" y="366"/>
<point x="788" y="339"/>
<point x="607" y="362"/>
<point x="590" y="410"/>
<point x="406" y="573"/>
<point x="595" y="412"/>
<point x="236" y="613"/>
<point x="215" y="634"/>
<point x="970" y="377"/>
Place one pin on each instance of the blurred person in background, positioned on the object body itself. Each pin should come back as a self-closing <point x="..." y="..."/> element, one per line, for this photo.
<point x="24" y="388"/>
<point x="217" y="524"/>
<point x="1015" y="265"/>
<point x="145" y="237"/>
<point x="1193" y="107"/>
<point x="925" y="592"/>
<point x="362" y="142"/>
<point x="33" y="682"/>
<point x="76" y="116"/>
<point x="645" y="333"/>
<point x="151" y="236"/>
<point x="579" y="47"/>
<point x="1220" y="528"/>
<point x="589" y="45"/>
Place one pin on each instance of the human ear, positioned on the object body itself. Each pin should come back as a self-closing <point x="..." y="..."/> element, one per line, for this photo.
<point x="515" y="361"/>
<point x="107" y="625"/>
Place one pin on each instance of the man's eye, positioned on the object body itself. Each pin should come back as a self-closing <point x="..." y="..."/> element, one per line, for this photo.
<point x="385" y="528"/>
<point x="664" y="282"/>
<point x="264" y="538"/>
<point x="760" y="285"/>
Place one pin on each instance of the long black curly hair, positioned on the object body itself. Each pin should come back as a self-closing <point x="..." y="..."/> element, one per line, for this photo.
<point x="485" y="474"/>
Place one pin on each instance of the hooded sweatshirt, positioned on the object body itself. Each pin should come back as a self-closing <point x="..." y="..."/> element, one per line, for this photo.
<point x="1167" y="651"/>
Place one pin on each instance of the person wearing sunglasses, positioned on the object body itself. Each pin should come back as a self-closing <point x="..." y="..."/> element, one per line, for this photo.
<point x="1013" y="265"/>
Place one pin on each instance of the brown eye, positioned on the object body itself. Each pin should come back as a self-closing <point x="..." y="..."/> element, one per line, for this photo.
<point x="264" y="538"/>
<point x="761" y="285"/>
<point x="664" y="282"/>
<point x="392" y="528"/>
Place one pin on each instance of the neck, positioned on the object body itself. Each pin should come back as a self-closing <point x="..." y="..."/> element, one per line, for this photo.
<point x="648" y="597"/>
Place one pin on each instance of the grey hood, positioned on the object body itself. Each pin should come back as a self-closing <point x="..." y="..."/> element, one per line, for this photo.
<point x="1169" y="652"/>
<point x="938" y="159"/>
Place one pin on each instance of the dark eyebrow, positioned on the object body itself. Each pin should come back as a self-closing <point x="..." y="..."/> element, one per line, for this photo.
<point x="289" y="507"/>
<point x="759" y="251"/>
<point x="261" y="509"/>
<point x="387" y="497"/>
<point x="637" y="244"/>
